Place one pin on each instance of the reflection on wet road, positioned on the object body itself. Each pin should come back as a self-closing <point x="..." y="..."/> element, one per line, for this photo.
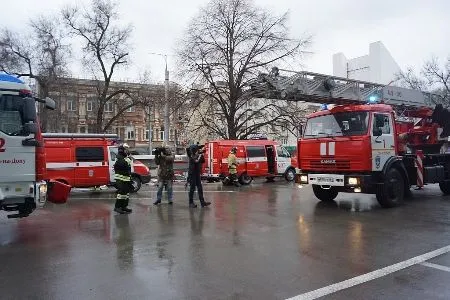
<point x="265" y="241"/>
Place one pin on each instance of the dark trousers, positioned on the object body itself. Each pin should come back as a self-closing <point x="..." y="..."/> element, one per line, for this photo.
<point x="123" y="196"/>
<point x="196" y="182"/>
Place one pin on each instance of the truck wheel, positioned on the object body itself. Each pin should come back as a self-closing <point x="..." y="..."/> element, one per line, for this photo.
<point x="136" y="182"/>
<point x="325" y="195"/>
<point x="244" y="179"/>
<point x="445" y="187"/>
<point x="392" y="192"/>
<point x="289" y="175"/>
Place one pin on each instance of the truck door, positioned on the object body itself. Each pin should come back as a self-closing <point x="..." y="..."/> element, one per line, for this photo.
<point x="382" y="140"/>
<point x="270" y="151"/>
<point x="90" y="166"/>
<point x="283" y="159"/>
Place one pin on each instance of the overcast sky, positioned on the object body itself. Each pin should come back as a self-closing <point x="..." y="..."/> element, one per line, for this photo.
<point x="411" y="30"/>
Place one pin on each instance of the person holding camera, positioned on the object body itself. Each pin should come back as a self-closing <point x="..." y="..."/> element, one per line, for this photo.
<point x="122" y="175"/>
<point x="196" y="159"/>
<point x="164" y="159"/>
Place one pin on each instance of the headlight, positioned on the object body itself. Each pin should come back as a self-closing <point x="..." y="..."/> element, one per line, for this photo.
<point x="304" y="178"/>
<point x="353" y="180"/>
<point x="43" y="188"/>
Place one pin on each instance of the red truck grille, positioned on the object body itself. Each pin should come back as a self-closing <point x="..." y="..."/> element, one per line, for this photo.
<point x="339" y="165"/>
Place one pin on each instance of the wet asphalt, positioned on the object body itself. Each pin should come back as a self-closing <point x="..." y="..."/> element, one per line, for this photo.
<point x="264" y="241"/>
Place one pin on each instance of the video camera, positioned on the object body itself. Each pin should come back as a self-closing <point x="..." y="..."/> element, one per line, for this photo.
<point x="159" y="150"/>
<point x="199" y="147"/>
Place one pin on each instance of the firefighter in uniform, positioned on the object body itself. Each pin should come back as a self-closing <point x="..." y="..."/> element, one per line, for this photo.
<point x="232" y="166"/>
<point x="122" y="175"/>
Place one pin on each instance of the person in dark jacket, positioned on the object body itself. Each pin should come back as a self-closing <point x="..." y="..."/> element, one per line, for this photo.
<point x="196" y="160"/>
<point x="164" y="160"/>
<point x="122" y="175"/>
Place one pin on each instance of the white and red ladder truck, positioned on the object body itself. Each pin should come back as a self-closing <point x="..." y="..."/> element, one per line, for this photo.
<point x="368" y="138"/>
<point x="23" y="187"/>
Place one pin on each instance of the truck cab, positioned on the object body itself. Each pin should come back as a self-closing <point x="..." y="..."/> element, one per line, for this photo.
<point x="23" y="185"/>
<point x="345" y="147"/>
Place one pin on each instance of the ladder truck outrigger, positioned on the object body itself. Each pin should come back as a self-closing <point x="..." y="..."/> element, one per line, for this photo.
<point x="367" y="137"/>
<point x="23" y="184"/>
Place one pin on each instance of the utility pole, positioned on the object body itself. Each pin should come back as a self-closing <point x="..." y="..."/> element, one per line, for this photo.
<point x="166" y="99"/>
<point x="150" y="130"/>
<point x="166" y="106"/>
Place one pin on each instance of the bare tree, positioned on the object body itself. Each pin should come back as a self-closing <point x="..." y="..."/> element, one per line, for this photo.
<point x="433" y="78"/>
<point x="225" y="47"/>
<point x="106" y="47"/>
<point x="42" y="55"/>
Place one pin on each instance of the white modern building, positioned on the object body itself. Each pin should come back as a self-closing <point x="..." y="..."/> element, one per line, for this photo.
<point x="378" y="66"/>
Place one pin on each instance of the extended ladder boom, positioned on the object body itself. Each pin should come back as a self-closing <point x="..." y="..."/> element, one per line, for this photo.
<point x="321" y="88"/>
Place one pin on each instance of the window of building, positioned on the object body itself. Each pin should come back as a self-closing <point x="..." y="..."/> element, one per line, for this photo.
<point x="130" y="133"/>
<point x="132" y="108"/>
<point x="89" y="154"/>
<point x="109" y="107"/>
<point x="147" y="132"/>
<point x="89" y="105"/>
<point x="71" y="105"/>
<point x="161" y="133"/>
<point x="82" y="129"/>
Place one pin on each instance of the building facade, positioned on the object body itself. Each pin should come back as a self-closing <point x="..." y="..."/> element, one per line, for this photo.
<point x="77" y="112"/>
<point x="378" y="66"/>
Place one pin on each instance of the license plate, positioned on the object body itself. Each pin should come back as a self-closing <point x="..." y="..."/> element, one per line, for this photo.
<point x="326" y="179"/>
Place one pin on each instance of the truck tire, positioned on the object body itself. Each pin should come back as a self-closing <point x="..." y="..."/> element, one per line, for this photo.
<point x="445" y="187"/>
<point x="289" y="175"/>
<point x="325" y="195"/>
<point x="136" y="182"/>
<point x="245" y="179"/>
<point x="392" y="192"/>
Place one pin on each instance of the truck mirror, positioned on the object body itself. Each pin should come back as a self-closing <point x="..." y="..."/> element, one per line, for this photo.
<point x="50" y="103"/>
<point x="377" y="131"/>
<point x="379" y="120"/>
<point x="29" y="110"/>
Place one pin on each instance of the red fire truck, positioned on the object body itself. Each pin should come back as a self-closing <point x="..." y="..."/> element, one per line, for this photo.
<point x="23" y="182"/>
<point x="87" y="160"/>
<point x="377" y="139"/>
<point x="256" y="158"/>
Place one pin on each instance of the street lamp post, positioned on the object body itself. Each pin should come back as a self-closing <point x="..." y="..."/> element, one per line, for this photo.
<point x="150" y="130"/>
<point x="166" y="99"/>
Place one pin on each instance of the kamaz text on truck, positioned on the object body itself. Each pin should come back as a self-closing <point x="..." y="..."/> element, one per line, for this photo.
<point x="23" y="185"/>
<point x="376" y="139"/>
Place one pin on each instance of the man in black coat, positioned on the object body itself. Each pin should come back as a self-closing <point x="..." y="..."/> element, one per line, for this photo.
<point x="196" y="160"/>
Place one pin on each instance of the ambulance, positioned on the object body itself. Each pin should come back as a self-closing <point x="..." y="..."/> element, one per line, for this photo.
<point x="87" y="160"/>
<point x="256" y="158"/>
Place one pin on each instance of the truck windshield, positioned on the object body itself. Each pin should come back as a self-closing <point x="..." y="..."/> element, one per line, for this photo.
<point x="11" y="112"/>
<point x="339" y="124"/>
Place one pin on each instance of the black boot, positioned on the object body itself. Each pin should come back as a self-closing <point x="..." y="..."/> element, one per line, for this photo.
<point x="157" y="202"/>
<point x="192" y="205"/>
<point x="205" y="204"/>
<point x="125" y="208"/>
<point x="119" y="210"/>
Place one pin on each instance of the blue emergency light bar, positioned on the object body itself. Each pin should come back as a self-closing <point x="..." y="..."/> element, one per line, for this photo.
<point x="9" y="78"/>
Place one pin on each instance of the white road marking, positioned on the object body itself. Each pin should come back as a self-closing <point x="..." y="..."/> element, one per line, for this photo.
<point x="435" y="266"/>
<point x="333" y="288"/>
